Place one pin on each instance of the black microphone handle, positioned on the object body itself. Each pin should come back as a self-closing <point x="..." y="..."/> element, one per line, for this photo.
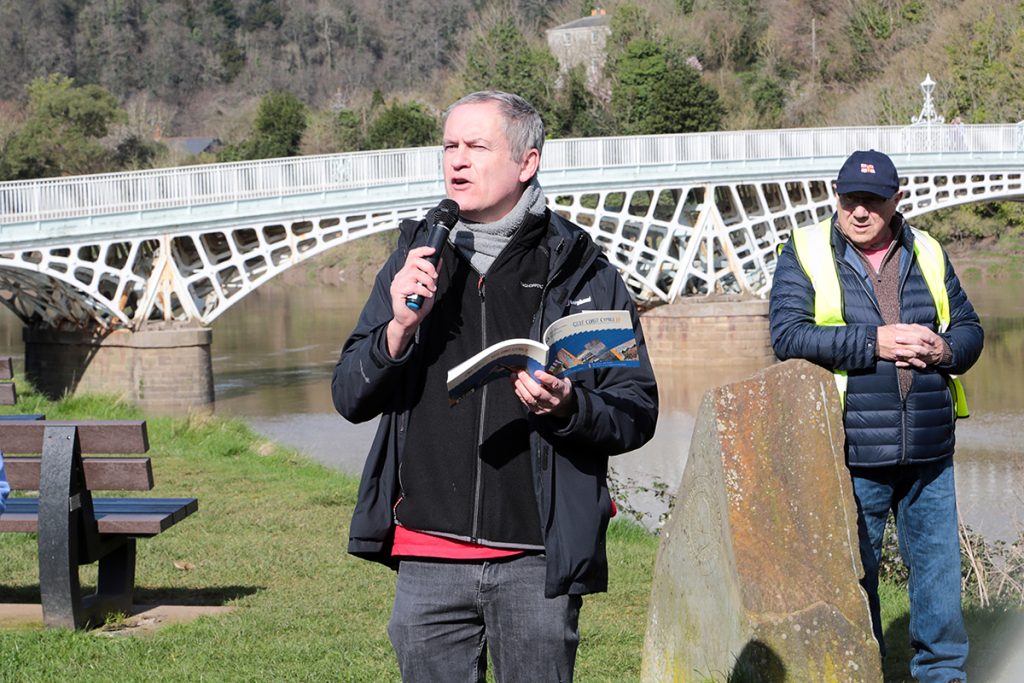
<point x="437" y="239"/>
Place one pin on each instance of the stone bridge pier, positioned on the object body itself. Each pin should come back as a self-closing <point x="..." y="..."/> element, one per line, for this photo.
<point x="164" y="368"/>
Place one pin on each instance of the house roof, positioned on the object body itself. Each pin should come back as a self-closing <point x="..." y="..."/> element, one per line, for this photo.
<point x="586" y="22"/>
<point x="192" y="145"/>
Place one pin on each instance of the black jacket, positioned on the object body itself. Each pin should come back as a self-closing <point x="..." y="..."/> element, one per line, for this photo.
<point x="617" y="412"/>
<point x="881" y="428"/>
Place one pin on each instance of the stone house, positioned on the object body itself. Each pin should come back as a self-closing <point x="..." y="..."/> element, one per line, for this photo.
<point x="582" y="42"/>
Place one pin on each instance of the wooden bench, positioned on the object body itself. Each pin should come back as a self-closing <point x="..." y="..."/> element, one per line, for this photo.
<point x="74" y="528"/>
<point x="8" y="394"/>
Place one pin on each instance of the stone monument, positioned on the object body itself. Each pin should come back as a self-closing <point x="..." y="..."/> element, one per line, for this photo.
<point x="757" y="574"/>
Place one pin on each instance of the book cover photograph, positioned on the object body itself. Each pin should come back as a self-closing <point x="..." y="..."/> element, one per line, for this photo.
<point x="591" y="339"/>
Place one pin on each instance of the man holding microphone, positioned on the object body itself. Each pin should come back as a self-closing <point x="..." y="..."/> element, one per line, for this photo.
<point x="493" y="510"/>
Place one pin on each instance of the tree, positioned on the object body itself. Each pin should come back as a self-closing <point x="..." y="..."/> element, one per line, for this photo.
<point x="986" y="61"/>
<point x="629" y="22"/>
<point x="403" y="125"/>
<point x="277" y="132"/>
<point x="577" y="111"/>
<point x="349" y="129"/>
<point x="280" y="120"/>
<point x="655" y="91"/>
<point x="134" y="153"/>
<point x="62" y="130"/>
<point x="502" y="59"/>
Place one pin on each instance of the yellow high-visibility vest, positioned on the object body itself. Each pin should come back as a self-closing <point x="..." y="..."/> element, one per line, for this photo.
<point x="814" y="253"/>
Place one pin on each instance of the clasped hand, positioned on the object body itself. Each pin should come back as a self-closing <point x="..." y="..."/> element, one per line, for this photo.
<point x="910" y="345"/>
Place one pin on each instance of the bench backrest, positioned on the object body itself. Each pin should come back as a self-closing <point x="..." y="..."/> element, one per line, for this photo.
<point x="94" y="436"/>
<point x="101" y="474"/>
<point x="8" y="395"/>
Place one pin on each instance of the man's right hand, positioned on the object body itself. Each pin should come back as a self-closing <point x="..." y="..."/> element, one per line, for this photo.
<point x="417" y="276"/>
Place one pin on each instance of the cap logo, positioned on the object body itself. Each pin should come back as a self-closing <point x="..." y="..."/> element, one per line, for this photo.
<point x="867" y="168"/>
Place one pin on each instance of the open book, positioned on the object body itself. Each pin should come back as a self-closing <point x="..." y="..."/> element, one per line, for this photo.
<point x="591" y="339"/>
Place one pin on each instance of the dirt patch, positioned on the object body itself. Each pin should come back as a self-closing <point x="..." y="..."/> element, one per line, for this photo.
<point x="146" y="619"/>
<point x="142" y="620"/>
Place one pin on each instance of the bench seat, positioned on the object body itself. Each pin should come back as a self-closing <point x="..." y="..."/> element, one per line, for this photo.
<point x="136" y="517"/>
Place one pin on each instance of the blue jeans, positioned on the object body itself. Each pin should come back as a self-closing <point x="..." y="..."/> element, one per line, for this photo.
<point x="447" y="614"/>
<point x="923" y="500"/>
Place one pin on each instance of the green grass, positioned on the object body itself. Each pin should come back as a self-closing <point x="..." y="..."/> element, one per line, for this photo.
<point x="269" y="538"/>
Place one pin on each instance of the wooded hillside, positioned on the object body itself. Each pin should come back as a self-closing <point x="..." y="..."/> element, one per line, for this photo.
<point x="359" y="74"/>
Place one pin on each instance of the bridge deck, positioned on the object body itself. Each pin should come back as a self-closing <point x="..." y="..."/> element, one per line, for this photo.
<point x="677" y="214"/>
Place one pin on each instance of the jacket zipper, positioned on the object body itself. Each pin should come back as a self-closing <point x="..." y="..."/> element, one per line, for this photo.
<point x="878" y="309"/>
<point x="903" y="399"/>
<point x="542" y="451"/>
<point x="903" y="430"/>
<point x="477" y="484"/>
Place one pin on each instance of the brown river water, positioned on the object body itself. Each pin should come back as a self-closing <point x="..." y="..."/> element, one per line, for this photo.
<point x="274" y="353"/>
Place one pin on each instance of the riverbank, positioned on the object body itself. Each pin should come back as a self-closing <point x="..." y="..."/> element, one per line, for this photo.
<point x="995" y="258"/>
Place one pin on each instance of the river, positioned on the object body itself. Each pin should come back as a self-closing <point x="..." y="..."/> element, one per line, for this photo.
<point x="274" y="352"/>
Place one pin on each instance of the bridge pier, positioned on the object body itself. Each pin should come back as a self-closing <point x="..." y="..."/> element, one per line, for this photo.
<point x="163" y="369"/>
<point x="707" y="341"/>
<point x="721" y="330"/>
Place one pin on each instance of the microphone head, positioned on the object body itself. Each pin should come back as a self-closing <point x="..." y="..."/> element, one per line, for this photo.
<point x="446" y="213"/>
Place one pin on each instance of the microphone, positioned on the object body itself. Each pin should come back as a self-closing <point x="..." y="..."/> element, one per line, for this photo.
<point x="442" y="219"/>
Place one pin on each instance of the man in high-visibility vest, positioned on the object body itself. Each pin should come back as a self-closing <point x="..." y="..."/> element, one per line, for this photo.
<point x="877" y="302"/>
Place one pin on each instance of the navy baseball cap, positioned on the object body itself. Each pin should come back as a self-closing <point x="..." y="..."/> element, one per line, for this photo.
<point x="868" y="171"/>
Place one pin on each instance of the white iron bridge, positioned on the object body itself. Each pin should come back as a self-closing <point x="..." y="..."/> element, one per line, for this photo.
<point x="679" y="215"/>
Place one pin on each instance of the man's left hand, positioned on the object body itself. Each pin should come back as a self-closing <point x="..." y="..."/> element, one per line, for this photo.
<point x="544" y="394"/>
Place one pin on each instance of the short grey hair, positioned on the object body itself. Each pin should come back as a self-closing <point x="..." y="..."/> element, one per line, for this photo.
<point x="523" y="127"/>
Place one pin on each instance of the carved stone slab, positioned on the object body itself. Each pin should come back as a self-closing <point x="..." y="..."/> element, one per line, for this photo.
<point x="757" y="573"/>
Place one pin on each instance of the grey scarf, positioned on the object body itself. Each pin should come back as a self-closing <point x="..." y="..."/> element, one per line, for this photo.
<point x="480" y="243"/>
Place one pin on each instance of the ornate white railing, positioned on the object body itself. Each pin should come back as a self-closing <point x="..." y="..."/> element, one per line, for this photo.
<point x="52" y="198"/>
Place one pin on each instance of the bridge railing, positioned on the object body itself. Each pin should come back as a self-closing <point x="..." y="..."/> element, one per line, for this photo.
<point x="54" y="198"/>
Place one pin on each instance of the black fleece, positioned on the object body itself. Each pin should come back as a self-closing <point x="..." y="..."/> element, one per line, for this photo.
<point x="466" y="473"/>
<point x="617" y="412"/>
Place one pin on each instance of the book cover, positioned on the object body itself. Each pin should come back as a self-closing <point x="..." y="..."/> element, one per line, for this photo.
<point x="591" y="339"/>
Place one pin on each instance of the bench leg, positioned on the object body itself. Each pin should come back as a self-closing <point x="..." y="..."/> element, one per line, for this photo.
<point x="64" y="606"/>
<point x="68" y="538"/>
<point x="59" y="587"/>
<point x="116" y="581"/>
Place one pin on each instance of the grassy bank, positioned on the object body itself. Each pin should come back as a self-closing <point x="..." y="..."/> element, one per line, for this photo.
<point x="269" y="538"/>
<point x="991" y="257"/>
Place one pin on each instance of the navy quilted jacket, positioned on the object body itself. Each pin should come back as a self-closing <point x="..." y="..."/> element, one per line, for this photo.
<point x="881" y="428"/>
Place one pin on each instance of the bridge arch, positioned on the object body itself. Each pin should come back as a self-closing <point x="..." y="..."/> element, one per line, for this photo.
<point x="679" y="215"/>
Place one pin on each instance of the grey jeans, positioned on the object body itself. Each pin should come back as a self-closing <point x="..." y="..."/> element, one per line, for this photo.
<point x="446" y="614"/>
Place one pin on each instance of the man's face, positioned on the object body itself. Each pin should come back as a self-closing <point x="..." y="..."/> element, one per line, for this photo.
<point x="864" y="218"/>
<point x="479" y="171"/>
